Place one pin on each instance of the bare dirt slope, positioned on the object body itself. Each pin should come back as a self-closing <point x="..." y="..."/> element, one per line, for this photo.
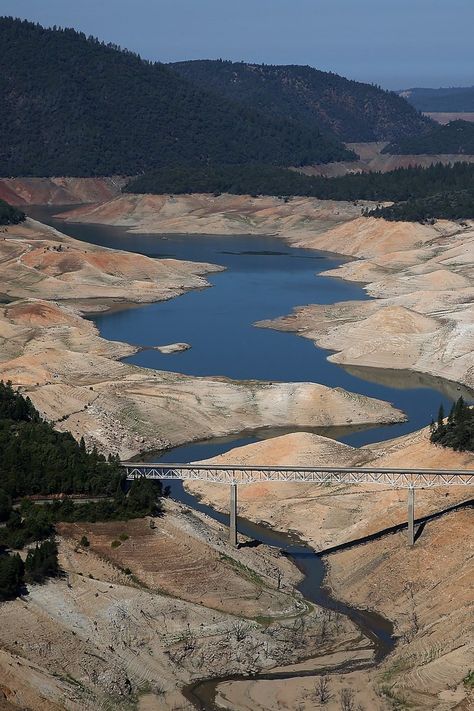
<point x="428" y="592"/>
<point x="208" y="214"/>
<point x="37" y="261"/>
<point x="330" y="515"/>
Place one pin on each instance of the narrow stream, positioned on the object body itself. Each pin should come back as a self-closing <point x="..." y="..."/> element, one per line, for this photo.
<point x="375" y="627"/>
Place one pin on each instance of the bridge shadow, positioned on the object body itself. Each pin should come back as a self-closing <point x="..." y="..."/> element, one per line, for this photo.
<point x="420" y="524"/>
<point x="419" y="530"/>
<point x="250" y="544"/>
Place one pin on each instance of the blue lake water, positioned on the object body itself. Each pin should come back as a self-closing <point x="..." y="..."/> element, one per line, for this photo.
<point x="264" y="279"/>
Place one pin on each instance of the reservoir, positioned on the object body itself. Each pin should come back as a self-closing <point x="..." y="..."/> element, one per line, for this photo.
<point x="263" y="279"/>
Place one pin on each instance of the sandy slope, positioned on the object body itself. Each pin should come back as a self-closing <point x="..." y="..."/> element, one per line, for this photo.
<point x="59" y="191"/>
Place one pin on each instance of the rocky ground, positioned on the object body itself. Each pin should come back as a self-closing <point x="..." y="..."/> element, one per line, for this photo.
<point x="133" y="622"/>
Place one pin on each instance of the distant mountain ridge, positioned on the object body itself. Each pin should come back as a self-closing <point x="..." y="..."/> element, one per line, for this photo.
<point x="71" y="105"/>
<point x="448" y="100"/>
<point x="353" y="111"/>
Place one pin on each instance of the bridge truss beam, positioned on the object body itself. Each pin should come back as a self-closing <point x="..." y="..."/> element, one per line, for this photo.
<point x="219" y="474"/>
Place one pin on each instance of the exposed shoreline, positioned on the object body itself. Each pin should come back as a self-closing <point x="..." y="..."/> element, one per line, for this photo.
<point x="78" y="380"/>
<point x="420" y="276"/>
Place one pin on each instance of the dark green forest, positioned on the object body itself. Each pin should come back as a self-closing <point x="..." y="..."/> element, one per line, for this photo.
<point x="71" y="105"/>
<point x="449" y="205"/>
<point x="351" y="110"/>
<point x="456" y="137"/>
<point x="35" y="459"/>
<point x="449" y="185"/>
<point x="9" y="215"/>
<point x="457" y="431"/>
<point x="448" y="100"/>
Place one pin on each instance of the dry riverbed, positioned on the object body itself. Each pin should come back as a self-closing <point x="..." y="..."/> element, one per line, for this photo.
<point x="159" y="608"/>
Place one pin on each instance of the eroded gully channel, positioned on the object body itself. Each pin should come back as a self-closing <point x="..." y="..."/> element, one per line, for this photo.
<point x="264" y="279"/>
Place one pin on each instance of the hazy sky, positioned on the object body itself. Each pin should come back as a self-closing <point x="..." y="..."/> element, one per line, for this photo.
<point x="395" y="43"/>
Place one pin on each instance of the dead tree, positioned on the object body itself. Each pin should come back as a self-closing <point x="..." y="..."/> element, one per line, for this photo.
<point x="346" y="696"/>
<point x="321" y="692"/>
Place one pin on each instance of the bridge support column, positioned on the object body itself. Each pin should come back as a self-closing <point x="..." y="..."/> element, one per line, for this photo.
<point x="233" y="515"/>
<point x="411" y="516"/>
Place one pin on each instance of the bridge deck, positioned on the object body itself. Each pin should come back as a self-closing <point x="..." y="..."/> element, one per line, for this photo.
<point x="229" y="474"/>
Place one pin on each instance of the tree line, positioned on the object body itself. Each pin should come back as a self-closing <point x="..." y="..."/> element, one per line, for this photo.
<point x="440" y="191"/>
<point x="90" y="109"/>
<point x="456" y="137"/>
<point x="351" y="110"/>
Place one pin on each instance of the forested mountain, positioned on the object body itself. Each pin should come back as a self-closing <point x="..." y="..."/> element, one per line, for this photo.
<point x="456" y="137"/>
<point x="70" y="105"/>
<point x="448" y="100"/>
<point x="351" y="110"/>
<point x="419" y="194"/>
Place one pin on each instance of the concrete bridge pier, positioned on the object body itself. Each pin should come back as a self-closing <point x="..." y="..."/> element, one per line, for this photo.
<point x="233" y="515"/>
<point x="411" y="516"/>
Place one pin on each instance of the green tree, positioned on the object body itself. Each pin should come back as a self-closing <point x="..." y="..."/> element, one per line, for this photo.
<point x="11" y="576"/>
<point x="5" y="506"/>
<point x="42" y="562"/>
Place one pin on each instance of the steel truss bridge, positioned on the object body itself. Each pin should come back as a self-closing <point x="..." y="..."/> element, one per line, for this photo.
<point x="234" y="475"/>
